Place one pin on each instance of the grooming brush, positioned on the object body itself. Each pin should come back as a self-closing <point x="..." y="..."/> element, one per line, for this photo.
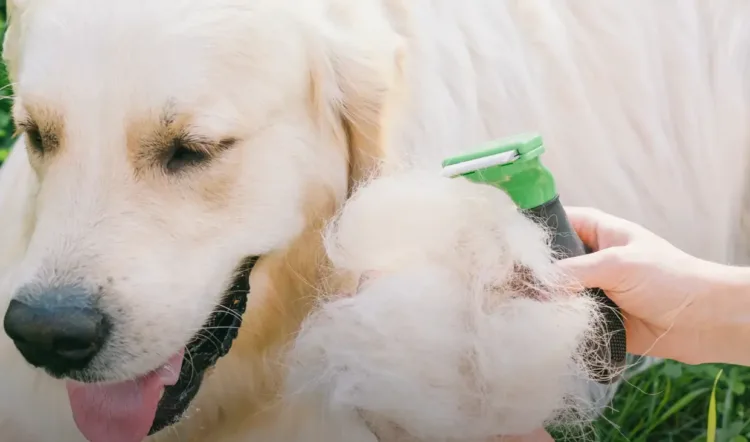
<point x="514" y="166"/>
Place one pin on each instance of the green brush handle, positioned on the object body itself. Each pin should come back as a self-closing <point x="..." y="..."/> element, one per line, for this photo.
<point x="610" y="360"/>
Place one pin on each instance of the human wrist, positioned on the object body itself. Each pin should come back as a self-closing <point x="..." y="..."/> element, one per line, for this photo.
<point x="725" y="314"/>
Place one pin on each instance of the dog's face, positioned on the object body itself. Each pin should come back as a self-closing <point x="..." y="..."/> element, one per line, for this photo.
<point x="171" y="140"/>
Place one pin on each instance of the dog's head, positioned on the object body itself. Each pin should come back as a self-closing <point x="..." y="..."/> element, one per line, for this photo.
<point x="172" y="140"/>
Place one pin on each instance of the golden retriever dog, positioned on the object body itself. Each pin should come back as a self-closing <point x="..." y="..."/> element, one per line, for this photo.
<point x="224" y="220"/>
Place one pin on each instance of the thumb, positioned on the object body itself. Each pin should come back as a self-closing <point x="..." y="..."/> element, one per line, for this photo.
<point x="595" y="270"/>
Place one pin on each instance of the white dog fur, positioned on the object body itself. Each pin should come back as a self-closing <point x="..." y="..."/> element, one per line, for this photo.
<point x="643" y="106"/>
<point x="433" y="343"/>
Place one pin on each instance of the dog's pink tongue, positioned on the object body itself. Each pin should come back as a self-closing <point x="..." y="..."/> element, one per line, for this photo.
<point x="122" y="412"/>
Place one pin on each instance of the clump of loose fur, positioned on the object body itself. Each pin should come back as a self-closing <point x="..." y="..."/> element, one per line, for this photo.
<point x="464" y="333"/>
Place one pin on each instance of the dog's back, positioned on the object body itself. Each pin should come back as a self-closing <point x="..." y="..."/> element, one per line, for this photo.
<point x="643" y="105"/>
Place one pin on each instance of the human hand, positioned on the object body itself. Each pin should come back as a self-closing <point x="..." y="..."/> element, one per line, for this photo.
<point x="675" y="305"/>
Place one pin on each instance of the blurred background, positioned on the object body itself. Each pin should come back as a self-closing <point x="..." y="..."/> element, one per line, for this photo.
<point x="6" y="124"/>
<point x="668" y="402"/>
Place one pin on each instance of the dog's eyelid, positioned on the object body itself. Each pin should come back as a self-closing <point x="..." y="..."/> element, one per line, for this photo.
<point x="39" y="141"/>
<point x="185" y="149"/>
<point x="26" y="124"/>
<point x="29" y="125"/>
<point x="206" y="144"/>
<point x="190" y="141"/>
<point x="228" y="143"/>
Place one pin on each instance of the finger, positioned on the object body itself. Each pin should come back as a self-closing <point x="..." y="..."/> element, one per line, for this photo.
<point x="595" y="270"/>
<point x="585" y="221"/>
<point x="600" y="230"/>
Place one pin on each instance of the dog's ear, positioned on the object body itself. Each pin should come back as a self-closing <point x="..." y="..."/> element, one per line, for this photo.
<point x="362" y="88"/>
<point x="371" y="92"/>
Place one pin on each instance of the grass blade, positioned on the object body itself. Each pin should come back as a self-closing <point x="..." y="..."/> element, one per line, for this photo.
<point x="711" y="432"/>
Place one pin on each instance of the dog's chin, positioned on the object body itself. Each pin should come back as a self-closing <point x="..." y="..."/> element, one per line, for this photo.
<point x="98" y="376"/>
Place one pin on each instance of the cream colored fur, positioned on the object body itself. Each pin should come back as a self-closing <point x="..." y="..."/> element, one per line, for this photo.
<point x="448" y="342"/>
<point x="643" y="106"/>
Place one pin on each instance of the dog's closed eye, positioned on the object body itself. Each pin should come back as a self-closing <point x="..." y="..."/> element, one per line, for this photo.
<point x="186" y="151"/>
<point x="38" y="140"/>
<point x="182" y="155"/>
<point x="35" y="138"/>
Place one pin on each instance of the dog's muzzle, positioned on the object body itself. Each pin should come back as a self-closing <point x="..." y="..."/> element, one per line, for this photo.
<point x="206" y="349"/>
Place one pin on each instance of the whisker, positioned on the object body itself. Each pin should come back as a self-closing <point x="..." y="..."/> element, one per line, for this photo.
<point x="220" y="327"/>
<point x="191" y="360"/>
<point x="210" y="338"/>
<point x="228" y="310"/>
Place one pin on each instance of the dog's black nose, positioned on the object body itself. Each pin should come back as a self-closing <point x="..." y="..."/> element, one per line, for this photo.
<point x="57" y="329"/>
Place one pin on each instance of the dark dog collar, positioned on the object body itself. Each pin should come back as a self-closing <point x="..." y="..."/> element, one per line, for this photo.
<point x="206" y="349"/>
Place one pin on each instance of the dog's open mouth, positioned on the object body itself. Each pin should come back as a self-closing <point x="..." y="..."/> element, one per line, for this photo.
<point x="131" y="410"/>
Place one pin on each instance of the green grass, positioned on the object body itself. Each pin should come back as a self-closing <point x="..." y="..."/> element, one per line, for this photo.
<point x="6" y="124"/>
<point x="669" y="402"/>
